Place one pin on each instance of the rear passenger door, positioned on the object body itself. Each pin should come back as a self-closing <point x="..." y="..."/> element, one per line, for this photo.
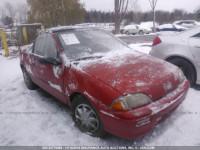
<point x="194" y="44"/>
<point x="50" y="76"/>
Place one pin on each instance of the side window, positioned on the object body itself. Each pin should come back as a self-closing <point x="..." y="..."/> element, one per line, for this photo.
<point x="39" y="45"/>
<point x="197" y="35"/>
<point x="50" y="47"/>
<point x="45" y="46"/>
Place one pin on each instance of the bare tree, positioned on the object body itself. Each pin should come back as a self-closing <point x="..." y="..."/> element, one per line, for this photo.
<point x="8" y="12"/>
<point x="122" y="7"/>
<point x="21" y="9"/>
<point x="153" y="6"/>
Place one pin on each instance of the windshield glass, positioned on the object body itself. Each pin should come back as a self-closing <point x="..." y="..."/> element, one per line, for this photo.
<point x="88" y="43"/>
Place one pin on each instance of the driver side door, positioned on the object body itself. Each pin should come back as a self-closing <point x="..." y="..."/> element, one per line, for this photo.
<point x="50" y="76"/>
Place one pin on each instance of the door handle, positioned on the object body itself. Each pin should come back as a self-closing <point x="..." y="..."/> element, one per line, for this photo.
<point x="196" y="46"/>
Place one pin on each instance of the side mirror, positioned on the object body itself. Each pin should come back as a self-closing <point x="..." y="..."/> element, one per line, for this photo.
<point x="50" y="61"/>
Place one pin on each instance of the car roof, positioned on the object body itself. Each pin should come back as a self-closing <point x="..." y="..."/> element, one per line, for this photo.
<point x="180" y="21"/>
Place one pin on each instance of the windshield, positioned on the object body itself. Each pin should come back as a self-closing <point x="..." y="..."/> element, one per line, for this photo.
<point x="88" y="43"/>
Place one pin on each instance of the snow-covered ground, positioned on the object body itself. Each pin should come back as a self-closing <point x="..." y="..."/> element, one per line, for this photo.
<point x="142" y="47"/>
<point x="34" y="118"/>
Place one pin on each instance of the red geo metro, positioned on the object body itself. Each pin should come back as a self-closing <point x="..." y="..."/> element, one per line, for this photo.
<point x="109" y="87"/>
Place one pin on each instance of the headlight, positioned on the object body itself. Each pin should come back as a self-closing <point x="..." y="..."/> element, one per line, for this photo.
<point x="181" y="76"/>
<point x="130" y="101"/>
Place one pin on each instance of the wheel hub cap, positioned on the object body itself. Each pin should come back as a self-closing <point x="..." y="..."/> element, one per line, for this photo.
<point x="86" y="118"/>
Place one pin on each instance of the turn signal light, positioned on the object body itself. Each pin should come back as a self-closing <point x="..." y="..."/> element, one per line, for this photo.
<point x="117" y="105"/>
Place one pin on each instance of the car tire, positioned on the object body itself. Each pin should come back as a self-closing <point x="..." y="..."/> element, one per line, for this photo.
<point x="187" y="69"/>
<point x="86" y="118"/>
<point x="141" y="32"/>
<point x="27" y="79"/>
<point x="127" y="33"/>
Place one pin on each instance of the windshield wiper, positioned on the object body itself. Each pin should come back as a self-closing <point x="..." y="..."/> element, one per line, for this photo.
<point x="89" y="57"/>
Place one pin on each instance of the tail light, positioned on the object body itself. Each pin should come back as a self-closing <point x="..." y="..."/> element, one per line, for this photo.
<point x="156" y="41"/>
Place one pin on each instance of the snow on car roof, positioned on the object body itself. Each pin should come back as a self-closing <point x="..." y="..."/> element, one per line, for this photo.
<point x="182" y="21"/>
<point x="186" y="33"/>
<point x="55" y="29"/>
<point x="132" y="26"/>
<point x="165" y="26"/>
<point x="172" y="26"/>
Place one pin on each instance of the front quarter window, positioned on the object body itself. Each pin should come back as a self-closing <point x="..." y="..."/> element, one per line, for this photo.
<point x="39" y="46"/>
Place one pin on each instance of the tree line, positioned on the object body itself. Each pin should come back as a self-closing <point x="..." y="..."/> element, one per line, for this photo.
<point x="161" y="16"/>
<point x="48" y="12"/>
<point x="10" y="14"/>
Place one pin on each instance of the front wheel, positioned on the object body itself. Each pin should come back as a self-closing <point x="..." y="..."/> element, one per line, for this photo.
<point x="127" y="33"/>
<point x="141" y="32"/>
<point x="86" y="118"/>
<point x="187" y="69"/>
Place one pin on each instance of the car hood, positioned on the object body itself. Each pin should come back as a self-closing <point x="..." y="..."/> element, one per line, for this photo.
<point x="135" y="73"/>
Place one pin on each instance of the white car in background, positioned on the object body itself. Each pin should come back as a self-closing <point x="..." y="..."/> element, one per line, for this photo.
<point x="182" y="50"/>
<point x="136" y="29"/>
<point x="187" y="23"/>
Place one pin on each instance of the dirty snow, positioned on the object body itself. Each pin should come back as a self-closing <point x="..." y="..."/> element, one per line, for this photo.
<point x="28" y="68"/>
<point x="57" y="71"/>
<point x="34" y="118"/>
<point x="66" y="60"/>
<point x="72" y="86"/>
<point x="57" y="87"/>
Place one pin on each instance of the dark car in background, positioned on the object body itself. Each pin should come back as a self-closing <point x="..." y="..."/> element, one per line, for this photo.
<point x="170" y="27"/>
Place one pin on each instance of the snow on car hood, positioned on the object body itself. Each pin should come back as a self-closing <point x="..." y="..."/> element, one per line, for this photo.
<point x="136" y="72"/>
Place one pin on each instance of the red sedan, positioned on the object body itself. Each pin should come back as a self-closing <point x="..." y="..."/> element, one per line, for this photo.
<point x="109" y="87"/>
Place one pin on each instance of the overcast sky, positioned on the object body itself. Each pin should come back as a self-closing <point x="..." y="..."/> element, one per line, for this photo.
<point x="108" y="5"/>
<point x="189" y="5"/>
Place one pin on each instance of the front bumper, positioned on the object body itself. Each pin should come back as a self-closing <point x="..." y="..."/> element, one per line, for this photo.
<point x="146" y="117"/>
